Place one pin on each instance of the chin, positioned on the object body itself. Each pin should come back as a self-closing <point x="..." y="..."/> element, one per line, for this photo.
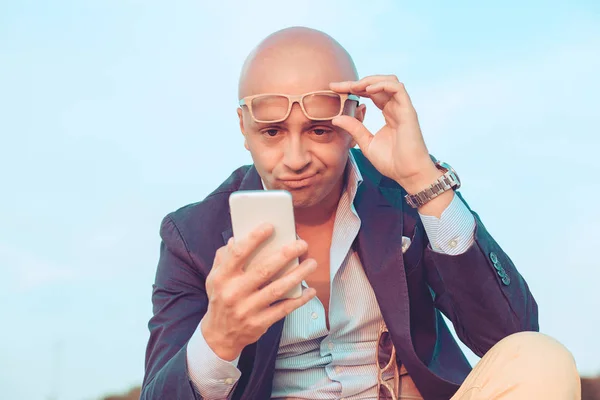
<point x="308" y="197"/>
<point x="304" y="201"/>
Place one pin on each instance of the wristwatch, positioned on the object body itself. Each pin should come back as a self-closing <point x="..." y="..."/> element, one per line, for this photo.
<point x="448" y="181"/>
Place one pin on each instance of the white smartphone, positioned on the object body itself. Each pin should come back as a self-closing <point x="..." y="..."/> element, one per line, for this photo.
<point x="250" y="208"/>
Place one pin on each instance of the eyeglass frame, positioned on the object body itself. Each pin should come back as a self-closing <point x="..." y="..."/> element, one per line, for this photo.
<point x="395" y="390"/>
<point x="298" y="98"/>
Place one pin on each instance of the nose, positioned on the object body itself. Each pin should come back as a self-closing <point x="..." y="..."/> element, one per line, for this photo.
<point x="296" y="155"/>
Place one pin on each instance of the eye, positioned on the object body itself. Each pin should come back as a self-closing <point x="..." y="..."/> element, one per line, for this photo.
<point x="321" y="131"/>
<point x="271" y="132"/>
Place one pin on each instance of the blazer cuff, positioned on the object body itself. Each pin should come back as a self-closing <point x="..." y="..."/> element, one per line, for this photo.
<point x="454" y="232"/>
<point x="212" y="377"/>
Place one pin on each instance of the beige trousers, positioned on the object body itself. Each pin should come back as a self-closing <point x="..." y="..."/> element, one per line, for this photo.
<point x="525" y="365"/>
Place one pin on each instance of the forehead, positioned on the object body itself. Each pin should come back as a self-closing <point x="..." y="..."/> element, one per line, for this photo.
<point x="294" y="71"/>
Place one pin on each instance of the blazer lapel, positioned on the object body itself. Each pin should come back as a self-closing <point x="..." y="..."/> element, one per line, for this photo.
<point x="380" y="252"/>
<point x="259" y="384"/>
<point x="380" y="209"/>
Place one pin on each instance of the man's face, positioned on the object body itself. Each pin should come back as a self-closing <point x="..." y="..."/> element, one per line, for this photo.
<point x="303" y="156"/>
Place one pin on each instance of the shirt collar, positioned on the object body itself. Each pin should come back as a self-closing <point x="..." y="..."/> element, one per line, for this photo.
<point x="353" y="177"/>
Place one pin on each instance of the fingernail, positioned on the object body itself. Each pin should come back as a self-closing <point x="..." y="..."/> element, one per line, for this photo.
<point x="264" y="227"/>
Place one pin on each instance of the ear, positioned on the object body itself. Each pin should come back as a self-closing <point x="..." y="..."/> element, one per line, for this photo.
<point x="360" y="112"/>
<point x="241" y="118"/>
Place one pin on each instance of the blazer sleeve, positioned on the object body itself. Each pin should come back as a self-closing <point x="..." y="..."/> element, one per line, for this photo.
<point x="481" y="291"/>
<point x="179" y="302"/>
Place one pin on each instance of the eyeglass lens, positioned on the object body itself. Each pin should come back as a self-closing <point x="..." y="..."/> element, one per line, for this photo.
<point x="273" y="107"/>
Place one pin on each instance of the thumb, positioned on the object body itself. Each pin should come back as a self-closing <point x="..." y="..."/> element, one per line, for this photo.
<point x="356" y="129"/>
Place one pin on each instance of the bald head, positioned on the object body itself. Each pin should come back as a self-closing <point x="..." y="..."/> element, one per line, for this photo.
<point x="295" y="60"/>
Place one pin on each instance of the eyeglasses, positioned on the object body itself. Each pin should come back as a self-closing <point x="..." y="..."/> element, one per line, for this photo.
<point x="386" y="359"/>
<point x="319" y="106"/>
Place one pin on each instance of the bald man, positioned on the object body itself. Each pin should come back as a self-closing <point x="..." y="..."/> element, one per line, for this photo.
<point x="386" y="245"/>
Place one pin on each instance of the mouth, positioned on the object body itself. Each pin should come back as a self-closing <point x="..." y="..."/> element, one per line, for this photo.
<point x="299" y="183"/>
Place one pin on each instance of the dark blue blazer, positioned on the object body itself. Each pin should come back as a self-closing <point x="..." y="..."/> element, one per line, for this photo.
<point x="480" y="291"/>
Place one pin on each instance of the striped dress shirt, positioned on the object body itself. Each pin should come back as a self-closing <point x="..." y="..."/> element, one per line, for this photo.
<point x="314" y="362"/>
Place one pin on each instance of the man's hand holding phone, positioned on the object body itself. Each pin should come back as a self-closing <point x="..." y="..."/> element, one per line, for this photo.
<point x="242" y="295"/>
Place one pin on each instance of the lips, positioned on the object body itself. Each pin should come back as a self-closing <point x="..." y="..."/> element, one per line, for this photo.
<point x="299" y="183"/>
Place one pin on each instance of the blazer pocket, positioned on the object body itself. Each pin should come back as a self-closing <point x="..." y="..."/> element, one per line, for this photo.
<point x="414" y="254"/>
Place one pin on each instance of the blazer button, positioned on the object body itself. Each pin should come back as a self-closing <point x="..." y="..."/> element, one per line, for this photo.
<point x="497" y="265"/>
<point x="493" y="257"/>
<point x="506" y="280"/>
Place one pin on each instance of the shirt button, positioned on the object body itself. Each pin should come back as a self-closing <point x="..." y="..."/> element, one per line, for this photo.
<point x="228" y="381"/>
<point x="314" y="315"/>
<point x="330" y="346"/>
<point x="338" y="370"/>
<point x="453" y="243"/>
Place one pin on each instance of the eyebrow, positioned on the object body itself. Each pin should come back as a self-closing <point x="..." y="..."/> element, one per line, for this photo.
<point x="305" y="124"/>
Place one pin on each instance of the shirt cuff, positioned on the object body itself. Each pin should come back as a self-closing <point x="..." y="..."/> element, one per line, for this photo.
<point x="454" y="232"/>
<point x="212" y="377"/>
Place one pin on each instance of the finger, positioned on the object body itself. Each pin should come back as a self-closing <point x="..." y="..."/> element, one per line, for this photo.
<point x="239" y="250"/>
<point x="358" y="87"/>
<point x="282" y="309"/>
<point x="275" y="290"/>
<point x="380" y="99"/>
<point x="219" y="256"/>
<point x="264" y="269"/>
<point x="395" y="89"/>
<point x="361" y="135"/>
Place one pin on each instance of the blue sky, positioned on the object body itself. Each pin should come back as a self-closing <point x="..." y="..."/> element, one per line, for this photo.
<point x="114" y="113"/>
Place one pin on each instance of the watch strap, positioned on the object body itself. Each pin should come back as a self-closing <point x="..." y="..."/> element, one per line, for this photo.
<point x="444" y="183"/>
